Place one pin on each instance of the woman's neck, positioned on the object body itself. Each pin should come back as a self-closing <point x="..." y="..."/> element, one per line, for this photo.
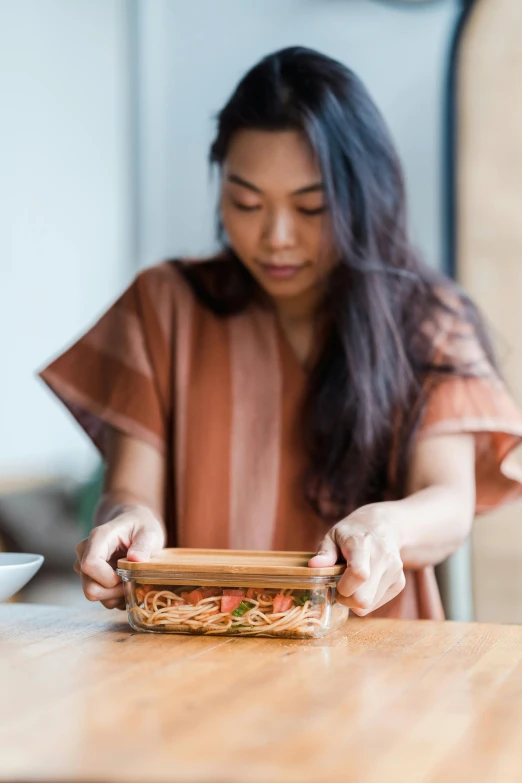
<point x="299" y="311"/>
<point x="298" y="318"/>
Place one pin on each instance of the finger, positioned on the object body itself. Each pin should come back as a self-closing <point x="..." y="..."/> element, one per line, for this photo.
<point x="389" y="595"/>
<point x="392" y="592"/>
<point x="349" y="584"/>
<point x="96" y="592"/>
<point x="360" y="595"/>
<point x="100" y="547"/>
<point x="356" y="550"/>
<point x="327" y="554"/>
<point x="79" y="549"/>
<point x="364" y="600"/>
<point x="359" y="556"/>
<point x="114" y="603"/>
<point x="144" y="544"/>
<point x="396" y="580"/>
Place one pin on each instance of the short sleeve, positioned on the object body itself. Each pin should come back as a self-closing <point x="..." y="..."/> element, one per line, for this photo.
<point x="118" y="373"/>
<point x="481" y="406"/>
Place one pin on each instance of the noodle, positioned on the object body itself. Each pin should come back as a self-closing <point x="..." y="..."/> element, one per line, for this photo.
<point x="254" y="614"/>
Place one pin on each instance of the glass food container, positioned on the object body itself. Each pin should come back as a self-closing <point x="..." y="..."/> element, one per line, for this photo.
<point x="232" y="593"/>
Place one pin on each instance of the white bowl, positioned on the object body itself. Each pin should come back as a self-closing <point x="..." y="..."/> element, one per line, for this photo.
<point x="16" y="569"/>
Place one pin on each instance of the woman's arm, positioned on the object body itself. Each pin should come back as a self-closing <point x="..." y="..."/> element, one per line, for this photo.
<point x="436" y="517"/>
<point x="379" y="540"/>
<point x="129" y="519"/>
<point x="134" y="476"/>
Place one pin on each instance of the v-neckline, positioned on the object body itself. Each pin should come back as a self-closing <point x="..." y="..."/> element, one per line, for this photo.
<point x="288" y="349"/>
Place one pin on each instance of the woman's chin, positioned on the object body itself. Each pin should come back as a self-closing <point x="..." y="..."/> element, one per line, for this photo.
<point x="287" y="289"/>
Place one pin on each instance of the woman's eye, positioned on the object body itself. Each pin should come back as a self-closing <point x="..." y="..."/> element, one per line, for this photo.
<point x="316" y="211"/>
<point x="246" y="207"/>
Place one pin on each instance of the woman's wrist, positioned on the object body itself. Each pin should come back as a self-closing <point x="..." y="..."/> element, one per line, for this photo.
<point x="430" y="525"/>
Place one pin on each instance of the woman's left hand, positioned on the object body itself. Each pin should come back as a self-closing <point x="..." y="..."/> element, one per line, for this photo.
<point x="369" y="543"/>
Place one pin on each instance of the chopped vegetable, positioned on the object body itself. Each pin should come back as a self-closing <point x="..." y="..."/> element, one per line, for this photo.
<point x="301" y="597"/>
<point x="194" y="597"/>
<point x="210" y="592"/>
<point x="141" y="592"/>
<point x="282" y="603"/>
<point x="241" y="609"/>
<point x="212" y="609"/>
<point x="230" y="602"/>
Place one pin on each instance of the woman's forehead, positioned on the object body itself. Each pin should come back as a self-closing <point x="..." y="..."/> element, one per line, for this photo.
<point x="272" y="160"/>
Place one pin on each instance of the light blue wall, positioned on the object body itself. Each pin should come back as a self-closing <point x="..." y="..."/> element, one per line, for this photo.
<point x="64" y="206"/>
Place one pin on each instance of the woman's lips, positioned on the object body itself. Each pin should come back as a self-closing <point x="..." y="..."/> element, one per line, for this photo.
<point x="281" y="271"/>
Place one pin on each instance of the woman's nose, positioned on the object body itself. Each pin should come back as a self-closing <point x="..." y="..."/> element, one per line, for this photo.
<point x="279" y="230"/>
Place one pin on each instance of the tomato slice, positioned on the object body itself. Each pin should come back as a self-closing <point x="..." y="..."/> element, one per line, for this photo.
<point x="194" y="597"/>
<point x="282" y="603"/>
<point x="234" y="591"/>
<point x="230" y="602"/>
<point x="255" y="592"/>
<point x="210" y="592"/>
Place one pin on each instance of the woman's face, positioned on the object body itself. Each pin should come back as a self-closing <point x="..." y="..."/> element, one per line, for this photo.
<point x="274" y="211"/>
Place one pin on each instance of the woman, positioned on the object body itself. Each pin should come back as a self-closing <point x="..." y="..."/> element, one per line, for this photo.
<point x="312" y="387"/>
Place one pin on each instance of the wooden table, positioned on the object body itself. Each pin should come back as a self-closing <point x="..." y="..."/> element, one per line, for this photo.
<point x="85" y="699"/>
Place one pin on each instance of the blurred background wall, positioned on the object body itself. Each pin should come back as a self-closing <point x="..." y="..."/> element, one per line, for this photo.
<point x="65" y="198"/>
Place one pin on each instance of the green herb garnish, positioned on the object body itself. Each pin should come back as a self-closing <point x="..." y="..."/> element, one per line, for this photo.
<point x="241" y="609"/>
<point x="301" y="597"/>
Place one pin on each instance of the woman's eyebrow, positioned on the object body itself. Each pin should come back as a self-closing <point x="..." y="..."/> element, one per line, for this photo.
<point x="309" y="189"/>
<point x="245" y="184"/>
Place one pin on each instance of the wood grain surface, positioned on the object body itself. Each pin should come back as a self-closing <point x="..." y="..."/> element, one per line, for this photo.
<point x="219" y="562"/>
<point x="86" y="699"/>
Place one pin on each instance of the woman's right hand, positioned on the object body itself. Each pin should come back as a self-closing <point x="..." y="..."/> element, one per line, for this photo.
<point x="134" y="532"/>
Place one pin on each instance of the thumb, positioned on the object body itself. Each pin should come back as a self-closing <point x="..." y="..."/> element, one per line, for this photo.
<point x="144" y="543"/>
<point x="326" y="556"/>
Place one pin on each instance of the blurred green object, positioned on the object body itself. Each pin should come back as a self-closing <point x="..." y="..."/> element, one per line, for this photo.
<point x="87" y="499"/>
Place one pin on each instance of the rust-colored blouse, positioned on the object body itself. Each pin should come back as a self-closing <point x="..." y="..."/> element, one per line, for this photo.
<point x="219" y="397"/>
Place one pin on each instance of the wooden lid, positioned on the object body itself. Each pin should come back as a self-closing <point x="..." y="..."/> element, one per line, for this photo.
<point x="232" y="561"/>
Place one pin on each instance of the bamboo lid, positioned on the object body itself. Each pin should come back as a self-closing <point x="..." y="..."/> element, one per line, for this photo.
<point x="232" y="561"/>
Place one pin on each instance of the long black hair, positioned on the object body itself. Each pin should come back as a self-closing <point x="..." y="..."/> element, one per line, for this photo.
<point x="367" y="390"/>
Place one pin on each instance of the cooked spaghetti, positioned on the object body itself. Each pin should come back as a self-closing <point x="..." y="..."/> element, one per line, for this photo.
<point x="247" y="612"/>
